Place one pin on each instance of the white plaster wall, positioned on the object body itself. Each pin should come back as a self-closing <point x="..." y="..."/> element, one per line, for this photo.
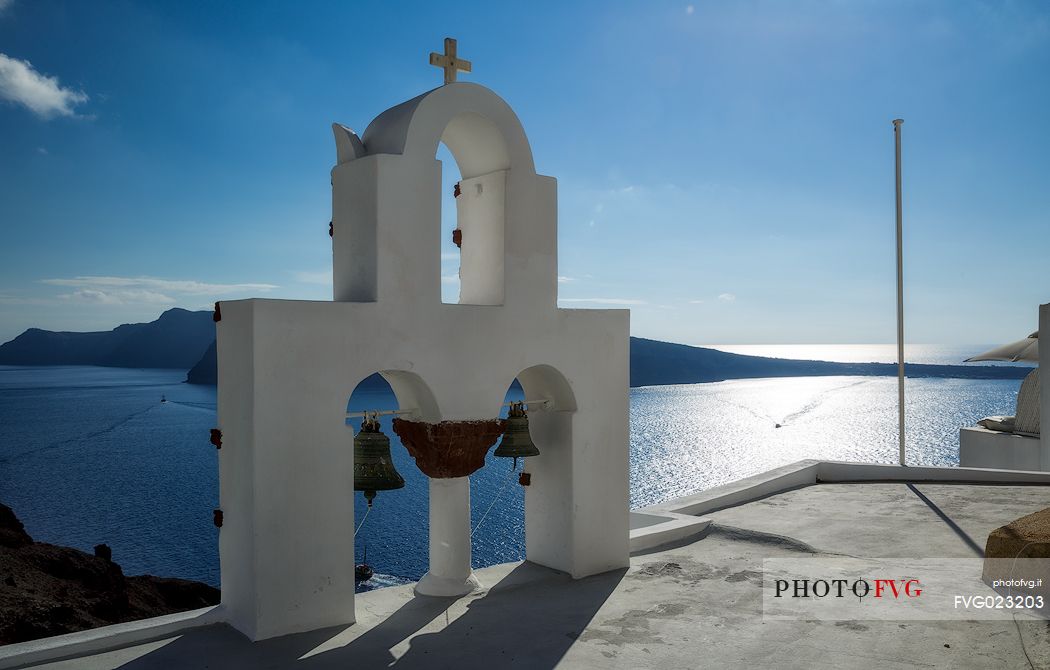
<point x="480" y="216"/>
<point x="236" y="407"/>
<point x="296" y="538"/>
<point x="983" y="448"/>
<point x="287" y="368"/>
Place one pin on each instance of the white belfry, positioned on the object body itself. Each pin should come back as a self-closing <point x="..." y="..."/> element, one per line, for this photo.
<point x="288" y="367"/>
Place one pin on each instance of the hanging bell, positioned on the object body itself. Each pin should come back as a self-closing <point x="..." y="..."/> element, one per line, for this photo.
<point x="516" y="439"/>
<point x="373" y="468"/>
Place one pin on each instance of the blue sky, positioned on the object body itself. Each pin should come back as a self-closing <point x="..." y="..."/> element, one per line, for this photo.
<point x="725" y="168"/>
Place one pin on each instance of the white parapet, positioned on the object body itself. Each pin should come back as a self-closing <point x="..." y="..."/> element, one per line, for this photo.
<point x="983" y="448"/>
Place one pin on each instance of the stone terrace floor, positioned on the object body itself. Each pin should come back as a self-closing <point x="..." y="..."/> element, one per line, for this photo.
<point x="692" y="606"/>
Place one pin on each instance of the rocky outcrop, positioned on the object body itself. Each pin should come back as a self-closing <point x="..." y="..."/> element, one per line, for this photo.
<point x="1007" y="567"/>
<point x="1027" y="537"/>
<point x="49" y="590"/>
<point x="206" y="370"/>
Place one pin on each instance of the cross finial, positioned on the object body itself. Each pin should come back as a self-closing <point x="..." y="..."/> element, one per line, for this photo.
<point x="448" y="61"/>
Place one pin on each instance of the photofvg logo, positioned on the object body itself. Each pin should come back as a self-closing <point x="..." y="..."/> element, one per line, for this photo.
<point x="848" y="589"/>
<point x="843" y="588"/>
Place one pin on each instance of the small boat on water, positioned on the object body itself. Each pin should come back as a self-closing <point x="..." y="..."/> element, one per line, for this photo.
<point x="363" y="571"/>
<point x="163" y="399"/>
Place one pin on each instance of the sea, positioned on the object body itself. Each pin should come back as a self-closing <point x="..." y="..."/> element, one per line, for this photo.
<point x="91" y="455"/>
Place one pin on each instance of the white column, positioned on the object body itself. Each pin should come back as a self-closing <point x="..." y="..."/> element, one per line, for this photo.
<point x="450" y="572"/>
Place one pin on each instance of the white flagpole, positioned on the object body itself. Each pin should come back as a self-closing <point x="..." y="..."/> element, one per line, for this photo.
<point x="900" y="294"/>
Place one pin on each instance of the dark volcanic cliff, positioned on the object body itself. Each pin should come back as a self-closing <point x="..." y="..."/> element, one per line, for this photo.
<point x="49" y="590"/>
<point x="655" y="363"/>
<point x="177" y="339"/>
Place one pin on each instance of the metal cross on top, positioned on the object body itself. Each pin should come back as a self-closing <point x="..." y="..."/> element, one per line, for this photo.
<point x="448" y="61"/>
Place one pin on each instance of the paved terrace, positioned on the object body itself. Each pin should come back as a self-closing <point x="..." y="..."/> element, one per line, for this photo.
<point x="691" y="606"/>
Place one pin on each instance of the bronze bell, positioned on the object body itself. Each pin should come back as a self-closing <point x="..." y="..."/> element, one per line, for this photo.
<point x="516" y="439"/>
<point x="373" y="468"/>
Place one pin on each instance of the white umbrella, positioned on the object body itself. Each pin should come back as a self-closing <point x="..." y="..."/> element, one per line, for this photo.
<point x="1021" y="350"/>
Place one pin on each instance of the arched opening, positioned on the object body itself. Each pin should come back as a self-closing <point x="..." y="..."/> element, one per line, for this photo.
<point x="475" y="162"/>
<point x="531" y="521"/>
<point x="548" y="499"/>
<point x="393" y="538"/>
<point x="497" y="503"/>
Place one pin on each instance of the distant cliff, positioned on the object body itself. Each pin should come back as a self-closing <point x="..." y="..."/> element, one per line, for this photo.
<point x="186" y="340"/>
<point x="206" y="370"/>
<point x="655" y="363"/>
<point x="177" y="339"/>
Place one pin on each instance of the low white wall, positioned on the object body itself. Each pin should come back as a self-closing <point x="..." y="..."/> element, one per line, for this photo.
<point x="807" y="473"/>
<point x="983" y="448"/>
<point x="105" y="638"/>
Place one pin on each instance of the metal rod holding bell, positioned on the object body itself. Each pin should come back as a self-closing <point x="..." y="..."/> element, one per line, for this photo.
<point x="388" y="412"/>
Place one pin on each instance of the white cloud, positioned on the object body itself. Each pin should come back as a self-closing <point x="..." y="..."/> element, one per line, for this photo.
<point x="696" y="302"/>
<point x="319" y="277"/>
<point x="40" y="150"/>
<point x="565" y="280"/>
<point x="145" y="290"/>
<point x="689" y="9"/>
<point x="135" y="296"/>
<point x="20" y="83"/>
<point x="726" y="297"/>
<point x="4" y="4"/>
<point x="605" y="301"/>
<point x="449" y="279"/>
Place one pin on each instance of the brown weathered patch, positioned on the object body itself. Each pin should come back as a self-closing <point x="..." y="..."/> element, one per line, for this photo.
<point x="450" y="448"/>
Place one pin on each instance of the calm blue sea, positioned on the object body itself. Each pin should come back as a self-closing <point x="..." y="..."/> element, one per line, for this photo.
<point x="90" y="455"/>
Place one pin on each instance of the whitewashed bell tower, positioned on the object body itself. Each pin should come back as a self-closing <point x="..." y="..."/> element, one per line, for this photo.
<point x="287" y="368"/>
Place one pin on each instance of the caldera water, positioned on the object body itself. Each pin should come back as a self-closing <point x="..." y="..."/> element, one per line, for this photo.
<point x="92" y="455"/>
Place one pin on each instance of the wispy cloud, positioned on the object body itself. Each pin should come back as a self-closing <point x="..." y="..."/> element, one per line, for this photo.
<point x="43" y="95"/>
<point x="449" y="279"/>
<point x="318" y="277"/>
<point x="689" y="9"/>
<point x="727" y="297"/>
<point x="4" y="4"/>
<point x="122" y="297"/>
<point x="145" y="290"/>
<point x="447" y="256"/>
<point x="605" y="301"/>
<point x="565" y="280"/>
<point x="696" y="302"/>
